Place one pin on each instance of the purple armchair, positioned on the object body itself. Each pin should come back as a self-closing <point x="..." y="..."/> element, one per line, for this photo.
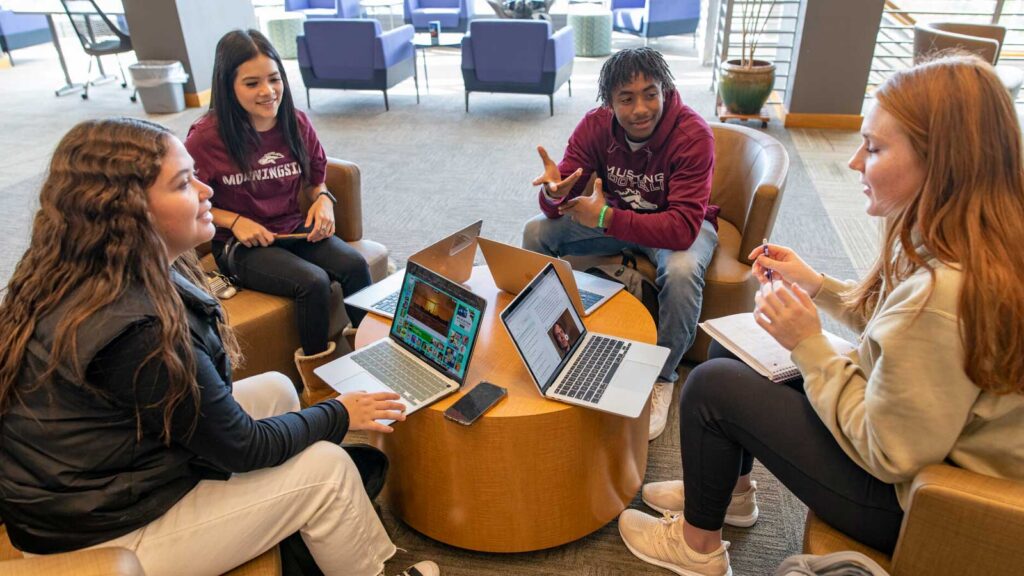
<point x="517" y="56"/>
<point x="351" y="54"/>
<point x="454" y="15"/>
<point x="325" y="8"/>
<point x="22" y="31"/>
<point x="652" y="18"/>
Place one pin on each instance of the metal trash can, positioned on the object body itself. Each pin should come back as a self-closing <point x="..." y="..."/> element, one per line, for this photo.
<point x="161" y="85"/>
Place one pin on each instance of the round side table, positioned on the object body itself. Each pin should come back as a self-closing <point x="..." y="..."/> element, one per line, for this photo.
<point x="282" y="30"/>
<point x="529" y="474"/>
<point x="592" y="30"/>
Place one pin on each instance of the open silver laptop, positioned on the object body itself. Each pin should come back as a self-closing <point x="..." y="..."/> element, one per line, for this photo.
<point x="513" y="268"/>
<point x="571" y="364"/>
<point x="427" y="352"/>
<point x="451" y="257"/>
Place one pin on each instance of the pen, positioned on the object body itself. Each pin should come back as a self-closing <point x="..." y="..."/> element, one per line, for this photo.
<point x="767" y="271"/>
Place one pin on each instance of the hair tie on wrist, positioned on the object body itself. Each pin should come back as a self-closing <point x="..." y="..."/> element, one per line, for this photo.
<point x="235" y="221"/>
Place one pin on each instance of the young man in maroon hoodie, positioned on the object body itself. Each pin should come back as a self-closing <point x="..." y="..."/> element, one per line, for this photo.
<point x="648" y="159"/>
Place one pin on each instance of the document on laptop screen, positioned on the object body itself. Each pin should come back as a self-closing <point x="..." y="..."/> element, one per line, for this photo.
<point x="545" y="327"/>
<point x="437" y="325"/>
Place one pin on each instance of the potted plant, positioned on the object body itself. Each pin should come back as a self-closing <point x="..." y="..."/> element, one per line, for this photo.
<point x="746" y="83"/>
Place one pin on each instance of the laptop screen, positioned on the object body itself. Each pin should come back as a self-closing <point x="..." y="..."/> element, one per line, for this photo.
<point x="437" y="320"/>
<point x="544" y="326"/>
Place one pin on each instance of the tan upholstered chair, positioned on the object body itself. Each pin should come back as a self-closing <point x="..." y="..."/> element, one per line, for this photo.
<point x="958" y="523"/>
<point x="108" y="562"/>
<point x="750" y="176"/>
<point x="265" y="324"/>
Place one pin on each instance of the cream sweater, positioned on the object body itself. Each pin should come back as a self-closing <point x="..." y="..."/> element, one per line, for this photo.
<point x="902" y="400"/>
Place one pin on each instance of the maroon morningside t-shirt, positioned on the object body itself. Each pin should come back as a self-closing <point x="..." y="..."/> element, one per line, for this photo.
<point x="268" y="191"/>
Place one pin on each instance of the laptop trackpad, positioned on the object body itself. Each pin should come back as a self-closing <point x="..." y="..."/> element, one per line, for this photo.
<point x="364" y="382"/>
<point x="361" y="382"/>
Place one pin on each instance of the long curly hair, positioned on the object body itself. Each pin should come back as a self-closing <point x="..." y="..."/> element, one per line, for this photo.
<point x="93" y="239"/>
<point x="968" y="213"/>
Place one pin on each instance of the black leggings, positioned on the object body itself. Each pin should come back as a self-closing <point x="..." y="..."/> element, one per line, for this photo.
<point x="729" y="415"/>
<point x="304" y="271"/>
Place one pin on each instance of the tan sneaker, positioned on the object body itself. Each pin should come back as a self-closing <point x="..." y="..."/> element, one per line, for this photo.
<point x="659" y="541"/>
<point x="661" y="401"/>
<point x="667" y="497"/>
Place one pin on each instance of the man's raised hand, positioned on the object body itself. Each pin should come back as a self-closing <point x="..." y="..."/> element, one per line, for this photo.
<point x="551" y="179"/>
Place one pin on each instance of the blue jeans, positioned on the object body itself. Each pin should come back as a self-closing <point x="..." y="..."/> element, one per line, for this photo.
<point x="680" y="274"/>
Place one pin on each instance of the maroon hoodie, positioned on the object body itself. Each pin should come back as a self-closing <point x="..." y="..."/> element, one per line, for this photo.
<point x="660" y="192"/>
<point x="266" y="192"/>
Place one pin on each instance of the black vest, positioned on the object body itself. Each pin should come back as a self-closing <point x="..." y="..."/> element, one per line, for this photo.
<point x="73" y="472"/>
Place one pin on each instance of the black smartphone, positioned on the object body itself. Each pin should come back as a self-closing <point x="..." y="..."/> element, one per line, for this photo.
<point x="477" y="401"/>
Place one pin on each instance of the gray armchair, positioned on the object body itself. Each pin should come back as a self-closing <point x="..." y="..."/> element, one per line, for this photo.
<point x="985" y="40"/>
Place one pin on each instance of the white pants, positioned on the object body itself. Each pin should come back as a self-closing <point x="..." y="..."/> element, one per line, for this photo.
<point x="220" y="525"/>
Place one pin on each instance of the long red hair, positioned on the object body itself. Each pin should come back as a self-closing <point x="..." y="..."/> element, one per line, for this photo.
<point x="969" y="213"/>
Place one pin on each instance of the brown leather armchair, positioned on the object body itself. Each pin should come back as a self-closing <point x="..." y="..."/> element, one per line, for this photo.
<point x="958" y="522"/>
<point x="750" y="176"/>
<point x="265" y="324"/>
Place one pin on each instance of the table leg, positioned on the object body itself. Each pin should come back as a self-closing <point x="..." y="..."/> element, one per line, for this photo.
<point x="69" y="87"/>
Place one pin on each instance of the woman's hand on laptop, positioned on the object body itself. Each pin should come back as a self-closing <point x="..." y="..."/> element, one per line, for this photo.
<point x="364" y="409"/>
<point x="552" y="180"/>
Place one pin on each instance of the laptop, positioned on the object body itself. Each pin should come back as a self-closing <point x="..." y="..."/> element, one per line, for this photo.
<point x="426" y="354"/>
<point x="451" y="257"/>
<point x="572" y="364"/>
<point x="513" y="268"/>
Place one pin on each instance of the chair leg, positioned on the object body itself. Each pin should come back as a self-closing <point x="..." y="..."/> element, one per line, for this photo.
<point x="307" y="99"/>
<point x="85" y="85"/>
<point x="124" y="79"/>
<point x="551" y="103"/>
<point x="467" y="101"/>
<point x="416" y="81"/>
<point x="386" y="106"/>
<point x="570" y="87"/>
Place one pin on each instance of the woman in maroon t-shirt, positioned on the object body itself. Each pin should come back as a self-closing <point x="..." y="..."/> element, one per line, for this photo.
<point x="258" y="154"/>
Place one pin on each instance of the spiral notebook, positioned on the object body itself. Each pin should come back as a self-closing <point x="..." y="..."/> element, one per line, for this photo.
<point x="742" y="336"/>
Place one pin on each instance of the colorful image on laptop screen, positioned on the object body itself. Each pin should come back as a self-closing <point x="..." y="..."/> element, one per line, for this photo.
<point x="439" y="326"/>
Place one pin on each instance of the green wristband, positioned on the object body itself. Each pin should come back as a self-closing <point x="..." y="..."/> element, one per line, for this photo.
<point x="600" y="219"/>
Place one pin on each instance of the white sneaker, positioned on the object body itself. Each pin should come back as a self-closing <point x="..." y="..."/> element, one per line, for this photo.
<point x="661" y="400"/>
<point x="660" y="541"/>
<point x="424" y="568"/>
<point x="667" y="498"/>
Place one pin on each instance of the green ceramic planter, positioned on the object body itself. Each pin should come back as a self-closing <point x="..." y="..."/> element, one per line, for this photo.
<point x="745" y="90"/>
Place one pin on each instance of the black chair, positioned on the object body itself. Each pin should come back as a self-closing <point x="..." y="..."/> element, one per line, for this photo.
<point x="100" y="36"/>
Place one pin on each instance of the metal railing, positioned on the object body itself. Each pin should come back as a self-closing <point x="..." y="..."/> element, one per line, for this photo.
<point x="894" y="48"/>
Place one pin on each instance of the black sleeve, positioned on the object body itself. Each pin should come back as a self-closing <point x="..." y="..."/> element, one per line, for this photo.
<point x="224" y="434"/>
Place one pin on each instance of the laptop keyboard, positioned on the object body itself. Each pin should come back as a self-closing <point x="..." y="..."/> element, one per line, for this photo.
<point x="589" y="376"/>
<point x="387" y="304"/>
<point x="415" y="382"/>
<point x="589" y="299"/>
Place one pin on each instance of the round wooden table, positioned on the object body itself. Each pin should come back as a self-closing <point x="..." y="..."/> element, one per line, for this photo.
<point x="531" y="473"/>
